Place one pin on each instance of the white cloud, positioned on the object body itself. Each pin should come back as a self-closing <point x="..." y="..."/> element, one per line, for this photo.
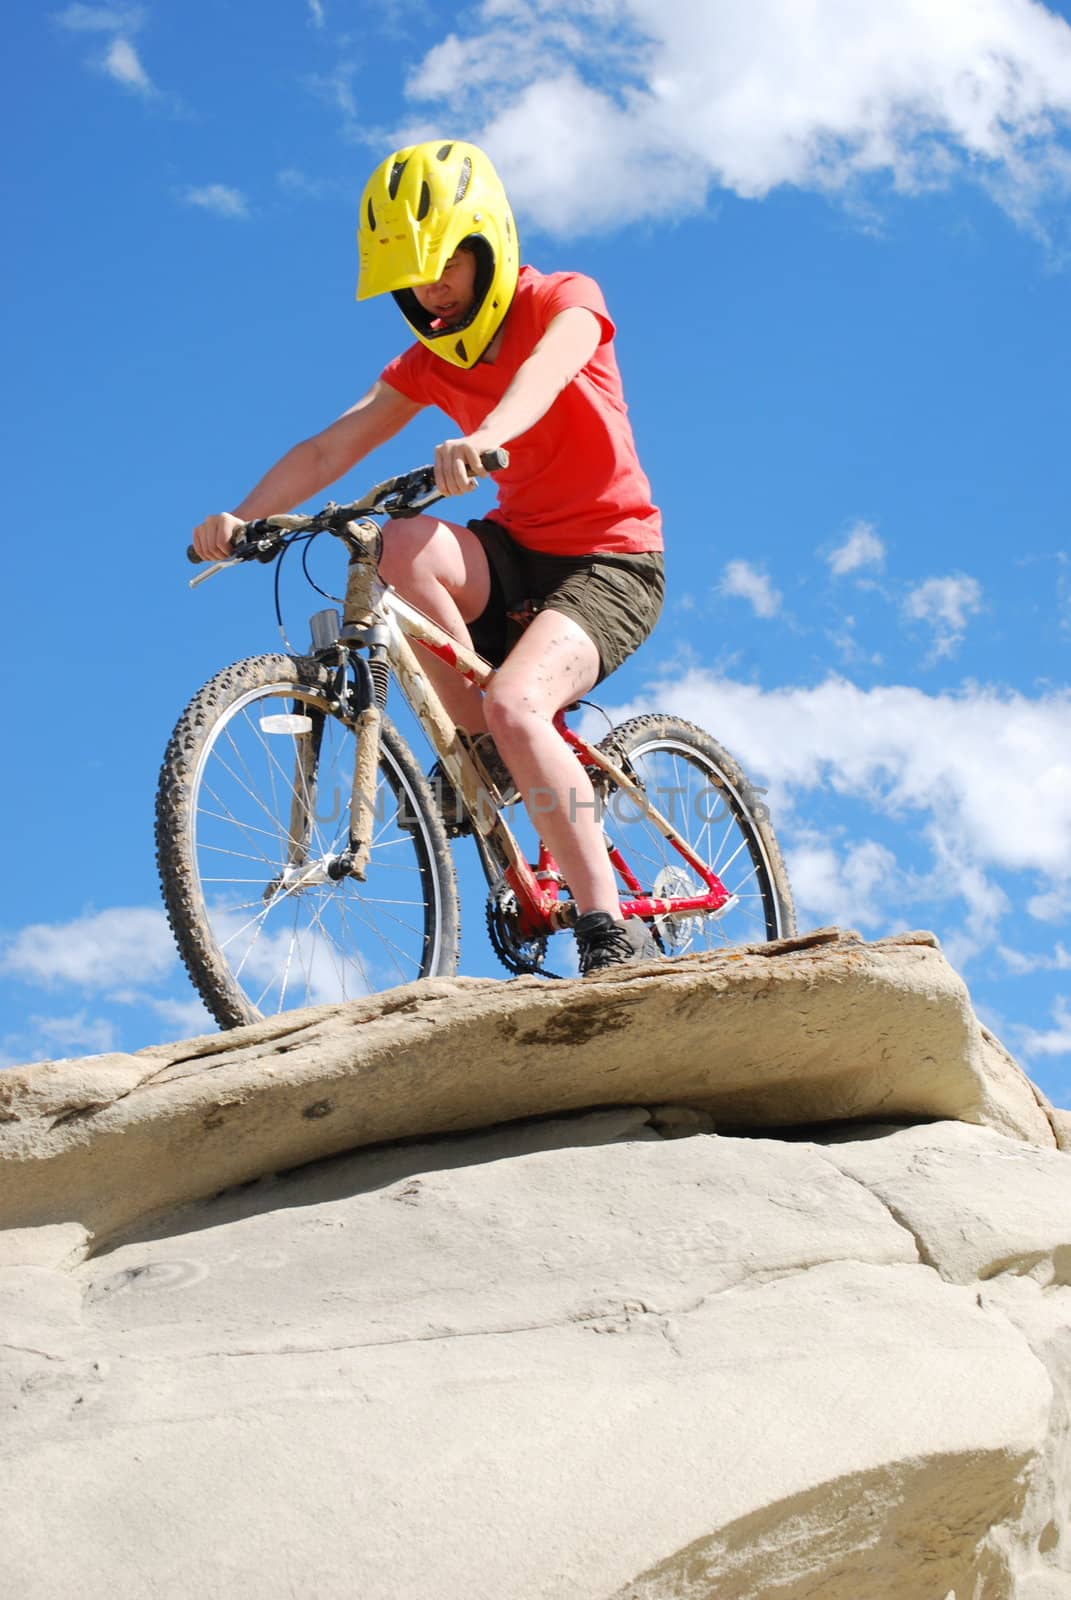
<point x="316" y="13"/>
<point x="120" y="61"/>
<point x="45" y="1038"/>
<point x="336" y="89"/>
<point x="746" y="582"/>
<point x="945" y="604"/>
<point x="850" y="887"/>
<point x="957" y="874"/>
<point x="612" y="110"/>
<point x="80" y="1032"/>
<point x="100" y="19"/>
<point x="862" y="548"/>
<point x="1052" y="904"/>
<point x="122" y="945"/>
<point x="219" y="198"/>
<point x="1054" y="1041"/>
<point x="187" y="1016"/>
<point x="123" y="63"/>
<point x="270" y="959"/>
<point x="1022" y="962"/>
<point x="295" y="182"/>
<point x="980" y="781"/>
<point x="845" y="640"/>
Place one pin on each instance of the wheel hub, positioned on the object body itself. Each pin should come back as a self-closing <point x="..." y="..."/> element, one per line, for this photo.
<point x="678" y="930"/>
<point x="293" y="879"/>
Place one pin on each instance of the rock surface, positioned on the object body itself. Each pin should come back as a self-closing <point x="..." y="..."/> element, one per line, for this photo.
<point x="565" y="1359"/>
<point x="810" y="1030"/>
<point x="609" y="1354"/>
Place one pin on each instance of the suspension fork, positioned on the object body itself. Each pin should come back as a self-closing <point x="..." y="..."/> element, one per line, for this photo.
<point x="369" y="694"/>
<point x="307" y="747"/>
<point x="304" y="792"/>
<point x="371" y="674"/>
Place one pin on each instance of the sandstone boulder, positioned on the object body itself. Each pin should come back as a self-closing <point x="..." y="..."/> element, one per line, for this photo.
<point x="811" y="1030"/>
<point x="745" y="1278"/>
<point x="566" y="1359"/>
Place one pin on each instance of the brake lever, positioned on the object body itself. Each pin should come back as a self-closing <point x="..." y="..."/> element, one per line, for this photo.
<point x="263" y="549"/>
<point x="407" y="502"/>
<point x="210" y="572"/>
<point x="400" y="508"/>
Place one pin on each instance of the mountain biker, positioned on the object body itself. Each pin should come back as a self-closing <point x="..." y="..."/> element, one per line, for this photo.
<point x="524" y="360"/>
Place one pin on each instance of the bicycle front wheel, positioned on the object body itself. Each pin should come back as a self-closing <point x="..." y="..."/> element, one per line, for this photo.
<point x="253" y="808"/>
<point x="702" y="792"/>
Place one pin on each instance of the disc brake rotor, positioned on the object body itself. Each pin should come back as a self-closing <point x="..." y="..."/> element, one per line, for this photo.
<point x="678" y="929"/>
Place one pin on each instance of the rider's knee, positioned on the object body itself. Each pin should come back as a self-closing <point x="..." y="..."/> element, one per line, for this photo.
<point x="405" y="540"/>
<point x="507" y="709"/>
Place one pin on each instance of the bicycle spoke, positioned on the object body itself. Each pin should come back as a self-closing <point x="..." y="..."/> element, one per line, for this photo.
<point x="267" y="817"/>
<point x="681" y="771"/>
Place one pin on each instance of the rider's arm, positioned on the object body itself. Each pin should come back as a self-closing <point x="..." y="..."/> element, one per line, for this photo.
<point x="568" y="344"/>
<point x="311" y="465"/>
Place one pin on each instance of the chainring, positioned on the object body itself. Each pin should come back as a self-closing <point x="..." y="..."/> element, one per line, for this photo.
<point x="517" y="953"/>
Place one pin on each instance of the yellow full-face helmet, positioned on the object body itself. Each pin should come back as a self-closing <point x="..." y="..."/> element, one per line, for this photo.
<point x="418" y="207"/>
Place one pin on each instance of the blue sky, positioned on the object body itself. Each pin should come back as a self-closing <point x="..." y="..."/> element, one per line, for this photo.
<point x="835" y="241"/>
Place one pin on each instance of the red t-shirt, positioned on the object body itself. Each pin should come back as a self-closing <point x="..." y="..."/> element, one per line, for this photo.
<point x="574" y="485"/>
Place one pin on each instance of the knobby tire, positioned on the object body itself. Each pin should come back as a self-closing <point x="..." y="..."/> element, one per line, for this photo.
<point x="256" y="938"/>
<point x="684" y="771"/>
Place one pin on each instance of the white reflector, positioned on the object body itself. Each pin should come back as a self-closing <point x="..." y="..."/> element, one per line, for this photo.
<point x="286" y="722"/>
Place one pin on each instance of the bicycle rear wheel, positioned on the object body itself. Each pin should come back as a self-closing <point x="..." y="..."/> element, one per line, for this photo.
<point x="700" y="789"/>
<point x="252" y="808"/>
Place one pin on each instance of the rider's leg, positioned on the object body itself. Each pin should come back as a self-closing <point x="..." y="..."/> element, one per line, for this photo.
<point x="441" y="568"/>
<point x="553" y="664"/>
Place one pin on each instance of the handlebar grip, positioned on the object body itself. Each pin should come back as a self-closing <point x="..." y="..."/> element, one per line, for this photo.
<point x="196" y="559"/>
<point x="495" y="460"/>
<point x="236" y="550"/>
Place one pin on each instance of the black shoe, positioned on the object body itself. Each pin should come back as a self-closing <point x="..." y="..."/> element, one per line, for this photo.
<point x="451" y="806"/>
<point x="603" y="941"/>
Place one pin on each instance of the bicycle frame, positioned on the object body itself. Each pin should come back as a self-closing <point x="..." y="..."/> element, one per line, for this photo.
<point x="386" y="623"/>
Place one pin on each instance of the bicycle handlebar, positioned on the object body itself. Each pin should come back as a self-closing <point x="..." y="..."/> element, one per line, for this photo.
<point x="404" y="496"/>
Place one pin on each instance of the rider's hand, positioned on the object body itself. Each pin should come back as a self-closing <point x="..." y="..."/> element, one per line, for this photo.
<point x="457" y="466"/>
<point x="213" y="538"/>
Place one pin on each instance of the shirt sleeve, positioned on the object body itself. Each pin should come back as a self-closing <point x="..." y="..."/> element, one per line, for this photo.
<point x="561" y="290"/>
<point x="405" y="374"/>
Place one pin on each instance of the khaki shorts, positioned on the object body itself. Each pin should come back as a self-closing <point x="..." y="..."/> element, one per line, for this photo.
<point x="615" y="597"/>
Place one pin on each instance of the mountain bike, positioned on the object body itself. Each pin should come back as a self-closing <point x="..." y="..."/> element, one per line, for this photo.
<point x="302" y="853"/>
